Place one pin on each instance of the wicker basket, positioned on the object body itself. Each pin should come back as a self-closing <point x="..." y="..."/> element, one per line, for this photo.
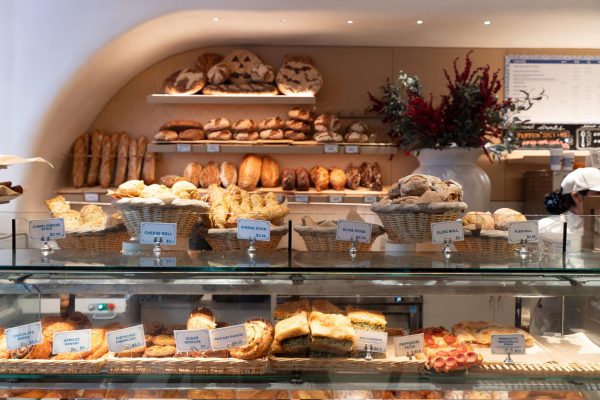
<point x="107" y="239"/>
<point x="324" y="239"/>
<point x="345" y="365"/>
<point x="411" y="223"/>
<point x="187" y="365"/>
<point x="184" y="216"/>
<point x="52" y="367"/>
<point x="491" y="242"/>
<point x="226" y="239"/>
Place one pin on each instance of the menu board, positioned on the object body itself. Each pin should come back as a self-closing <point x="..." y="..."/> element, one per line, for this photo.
<point x="533" y="136"/>
<point x="588" y="137"/>
<point x="571" y="85"/>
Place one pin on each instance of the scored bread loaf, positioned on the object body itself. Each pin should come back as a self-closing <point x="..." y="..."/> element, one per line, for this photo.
<point x="244" y="125"/>
<point x="122" y="153"/>
<point x="250" y="171"/>
<point x="228" y="174"/>
<point x="80" y="159"/>
<point x="352" y="177"/>
<point x="271" y="123"/>
<point x="95" y="154"/>
<point x="209" y="175"/>
<point x="192" y="134"/>
<point x="192" y="173"/>
<point x="217" y="124"/>
<point x="272" y="134"/>
<point x="269" y="174"/>
<point x="288" y="179"/>
<point x="220" y="135"/>
<point x="300" y="114"/>
<point x="302" y="179"/>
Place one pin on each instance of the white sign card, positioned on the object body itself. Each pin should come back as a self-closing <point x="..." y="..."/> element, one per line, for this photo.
<point x="150" y="230"/>
<point x="184" y="147"/>
<point x="352" y="149"/>
<point x="409" y="345"/>
<point x="523" y="230"/>
<point x="331" y="148"/>
<point x="192" y="340"/>
<point x="91" y="197"/>
<point x="213" y="148"/>
<point x="352" y="230"/>
<point x="369" y="199"/>
<point x="158" y="262"/>
<point x="23" y="335"/>
<point x="371" y="340"/>
<point x="336" y="199"/>
<point x="126" y="339"/>
<point x="443" y="231"/>
<point x="253" y="229"/>
<point x="72" y="341"/>
<point x="301" y="198"/>
<point x="228" y="337"/>
<point x="508" y="344"/>
<point x="53" y="228"/>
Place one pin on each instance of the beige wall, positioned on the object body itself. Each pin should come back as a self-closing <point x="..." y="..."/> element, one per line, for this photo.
<point x="348" y="72"/>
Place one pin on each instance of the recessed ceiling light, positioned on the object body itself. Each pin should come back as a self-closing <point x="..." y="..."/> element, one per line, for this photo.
<point x="420" y="22"/>
<point x="350" y="21"/>
<point x="216" y="19"/>
<point x="488" y="22"/>
<point x="283" y="21"/>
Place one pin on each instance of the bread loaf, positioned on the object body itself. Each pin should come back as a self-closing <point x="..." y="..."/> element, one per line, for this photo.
<point x="220" y="135"/>
<point x="298" y="126"/>
<point x="302" y="179"/>
<point x="288" y="179"/>
<point x="337" y="178"/>
<point x="228" y="174"/>
<point x="327" y="122"/>
<point x="352" y="177"/>
<point x="300" y="114"/>
<point x="271" y="123"/>
<point x="294" y="135"/>
<point x="218" y="74"/>
<point x="192" y="173"/>
<point x="185" y="81"/>
<point x="80" y="160"/>
<point x="244" y="125"/>
<point x="105" y="170"/>
<point x="480" y="220"/>
<point x="250" y="171"/>
<point x="328" y="137"/>
<point x="149" y="168"/>
<point x="166" y="135"/>
<point x="132" y="161"/>
<point x="206" y="61"/>
<point x="377" y="182"/>
<point x="209" y="175"/>
<point x="142" y="143"/>
<point x="122" y="154"/>
<point x="263" y="73"/>
<point x="366" y="175"/>
<point x="95" y="154"/>
<point x="192" y="134"/>
<point x="246" y="136"/>
<point x="358" y="126"/>
<point x="319" y="177"/>
<point x="269" y="174"/>
<point x="217" y="124"/>
<point x="504" y="216"/>
<point x="272" y="134"/>
<point x="356" y="137"/>
<point x="180" y="125"/>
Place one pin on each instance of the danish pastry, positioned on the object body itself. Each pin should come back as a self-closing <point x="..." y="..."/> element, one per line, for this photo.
<point x="259" y="336"/>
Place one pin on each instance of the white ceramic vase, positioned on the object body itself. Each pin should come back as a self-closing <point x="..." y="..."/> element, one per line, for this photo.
<point x="459" y="164"/>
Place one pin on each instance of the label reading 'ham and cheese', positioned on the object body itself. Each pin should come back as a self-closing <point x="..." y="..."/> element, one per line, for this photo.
<point x="52" y="228"/>
<point x="523" y="230"/>
<point x="253" y="229"/>
<point x="409" y="345"/>
<point x="228" y="337"/>
<point x="192" y="340"/>
<point x="23" y="335"/>
<point x="126" y="339"/>
<point x="447" y="231"/>
<point x="72" y="341"/>
<point x="508" y="344"/>
<point x="372" y="340"/>
<point x="352" y="230"/>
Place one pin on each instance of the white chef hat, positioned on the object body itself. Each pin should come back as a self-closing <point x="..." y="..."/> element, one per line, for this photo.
<point x="581" y="179"/>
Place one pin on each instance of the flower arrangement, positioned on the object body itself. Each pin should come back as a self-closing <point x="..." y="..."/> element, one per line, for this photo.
<point x="469" y="115"/>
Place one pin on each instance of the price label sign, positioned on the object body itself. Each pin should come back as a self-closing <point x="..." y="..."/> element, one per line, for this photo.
<point x="164" y="230"/>
<point x="213" y="148"/>
<point x="53" y="228"/>
<point x="192" y="340"/>
<point x="158" y="262"/>
<point x="409" y="345"/>
<point x="508" y="344"/>
<point x="523" y="230"/>
<point x="370" y="199"/>
<point x="126" y="339"/>
<point x="301" y="198"/>
<point x="253" y="229"/>
<point x="228" y="337"/>
<point x="91" y="197"/>
<point x="331" y="148"/>
<point x="72" y="341"/>
<point x="352" y="230"/>
<point x="336" y="199"/>
<point x="372" y="340"/>
<point x="352" y="149"/>
<point x="23" y="335"/>
<point x="443" y="231"/>
<point x="184" y="147"/>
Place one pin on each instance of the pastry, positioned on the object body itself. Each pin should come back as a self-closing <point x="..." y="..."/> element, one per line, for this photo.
<point x="479" y="220"/>
<point x="185" y="190"/>
<point x="331" y="333"/>
<point x="244" y="125"/>
<point x="160" y="351"/>
<point x="358" y="126"/>
<point x="291" y="308"/>
<point x="327" y="122"/>
<point x="272" y="134"/>
<point x="241" y="63"/>
<point x="246" y="136"/>
<point x="297" y="76"/>
<point x="192" y="134"/>
<point x="337" y="178"/>
<point x="328" y="137"/>
<point x="264" y="89"/>
<point x="504" y="216"/>
<point x="122" y="153"/>
<point x="206" y="61"/>
<point x="269" y="173"/>
<point x="294" y="135"/>
<point x="377" y="181"/>
<point x="217" y="74"/>
<point x="480" y="333"/>
<point x="80" y="160"/>
<point x="356" y="137"/>
<point x="300" y="114"/>
<point x="217" y="124"/>
<point x="352" y="177"/>
<point x="220" y="135"/>
<point x="259" y="336"/>
<point x="228" y="174"/>
<point x="72" y="220"/>
<point x="298" y="126"/>
<point x="201" y="318"/>
<point x="271" y="123"/>
<point x="288" y="179"/>
<point x="250" y="171"/>
<point x="366" y="320"/>
<point x="79" y="320"/>
<point x="98" y="347"/>
<point x="262" y="73"/>
<point x="58" y="206"/>
<point x="131" y="353"/>
<point x="106" y="163"/>
<point x="302" y="179"/>
<point x="192" y="173"/>
<point x="319" y="177"/>
<point x="95" y="153"/>
<point x="92" y="216"/>
<point x="180" y="125"/>
<point x="166" y="135"/>
<point x="149" y="168"/>
<point x="185" y="81"/>
<point x="132" y="188"/>
<point x="163" y="340"/>
<point x="209" y="175"/>
<point x="292" y="335"/>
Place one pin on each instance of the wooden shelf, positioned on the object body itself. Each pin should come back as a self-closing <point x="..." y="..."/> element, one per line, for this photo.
<point x="308" y="147"/>
<point x="229" y="99"/>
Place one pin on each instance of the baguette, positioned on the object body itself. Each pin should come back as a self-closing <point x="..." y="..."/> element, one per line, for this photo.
<point x="122" y="152"/>
<point x="105" y="171"/>
<point x="149" y="168"/>
<point x="95" y="152"/>
<point x="80" y="159"/>
<point x="132" y="161"/>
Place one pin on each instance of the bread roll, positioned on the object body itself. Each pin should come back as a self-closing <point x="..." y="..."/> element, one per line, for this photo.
<point x="288" y="179"/>
<point x="228" y="174"/>
<point x="185" y="190"/>
<point x="337" y="178"/>
<point x="250" y="171"/>
<point x="209" y="175"/>
<point x="319" y="177"/>
<point x="95" y="154"/>
<point x="302" y="179"/>
<point x="192" y="173"/>
<point x="269" y="174"/>
<point x="479" y="220"/>
<point x="122" y="154"/>
<point x="201" y="318"/>
<point x="80" y="160"/>
<point x="149" y="168"/>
